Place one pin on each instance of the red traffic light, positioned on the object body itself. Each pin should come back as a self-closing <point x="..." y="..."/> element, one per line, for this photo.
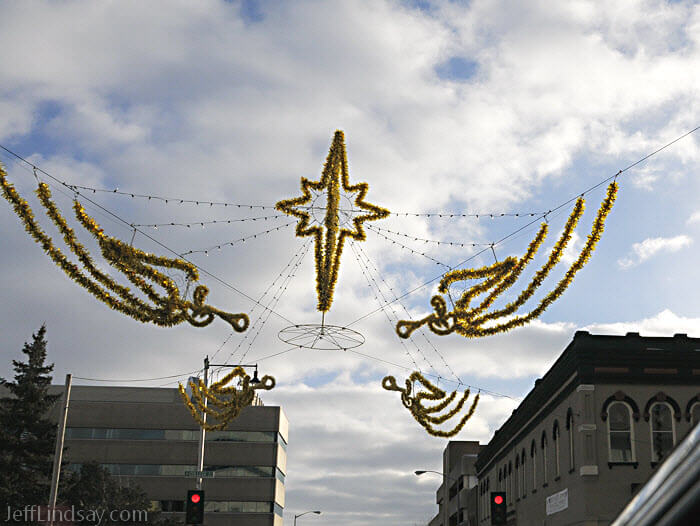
<point x="498" y="499"/>
<point x="195" y="498"/>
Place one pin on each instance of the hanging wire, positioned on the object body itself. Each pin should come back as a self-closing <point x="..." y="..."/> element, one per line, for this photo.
<point x="369" y="284"/>
<point x="214" y="222"/>
<point x="275" y="299"/>
<point x="538" y="218"/>
<point x="415" y="252"/>
<point x="118" y="219"/>
<point x="255" y="320"/>
<point x="414" y="238"/>
<point x="371" y="265"/>
<point x="235" y="241"/>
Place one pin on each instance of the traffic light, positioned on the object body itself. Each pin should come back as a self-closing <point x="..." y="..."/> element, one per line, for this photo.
<point x="498" y="508"/>
<point x="194" y="507"/>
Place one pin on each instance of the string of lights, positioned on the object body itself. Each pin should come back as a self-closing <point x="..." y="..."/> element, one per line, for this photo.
<point x="414" y="238"/>
<point x="204" y="223"/>
<point x="261" y="299"/>
<point x="535" y="220"/>
<point x="391" y="322"/>
<point x="206" y="251"/>
<point x="372" y="265"/>
<point x="275" y="299"/>
<point x="120" y="220"/>
<point x="226" y="204"/>
<point x="415" y="252"/>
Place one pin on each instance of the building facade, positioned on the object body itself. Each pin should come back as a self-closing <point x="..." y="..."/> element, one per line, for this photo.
<point x="147" y="436"/>
<point x="591" y="431"/>
<point x="454" y="497"/>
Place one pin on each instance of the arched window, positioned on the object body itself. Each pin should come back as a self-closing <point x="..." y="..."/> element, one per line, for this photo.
<point x="544" y="458"/>
<point x="557" y="448"/>
<point x="516" y="490"/>
<point x="523" y="485"/>
<point x="533" y="456"/>
<point x="695" y="414"/>
<point x="510" y="483"/>
<point x="570" y="429"/>
<point x="620" y="432"/>
<point x="663" y="432"/>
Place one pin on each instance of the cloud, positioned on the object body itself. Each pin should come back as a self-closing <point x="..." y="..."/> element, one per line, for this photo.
<point x="694" y="218"/>
<point x="665" y="323"/>
<point x="652" y="246"/>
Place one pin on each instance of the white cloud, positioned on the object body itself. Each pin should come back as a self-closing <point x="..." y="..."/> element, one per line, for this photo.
<point x="694" y="218"/>
<point x="665" y="323"/>
<point x="653" y="246"/>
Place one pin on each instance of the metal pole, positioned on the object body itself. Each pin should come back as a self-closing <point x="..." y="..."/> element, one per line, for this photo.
<point x="202" y="431"/>
<point x="58" y="455"/>
<point x="459" y="520"/>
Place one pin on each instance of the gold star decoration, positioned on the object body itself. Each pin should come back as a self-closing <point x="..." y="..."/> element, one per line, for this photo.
<point x="329" y="233"/>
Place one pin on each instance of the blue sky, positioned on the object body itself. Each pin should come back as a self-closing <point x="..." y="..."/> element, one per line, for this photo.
<point x="446" y="106"/>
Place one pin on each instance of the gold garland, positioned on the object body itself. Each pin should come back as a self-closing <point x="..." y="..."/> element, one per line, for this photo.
<point x="228" y="401"/>
<point x="469" y="322"/>
<point x="424" y="414"/>
<point x="136" y="265"/>
<point x="329" y="246"/>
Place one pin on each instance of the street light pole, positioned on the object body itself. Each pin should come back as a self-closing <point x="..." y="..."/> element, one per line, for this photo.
<point x="421" y="471"/>
<point x="295" y="516"/>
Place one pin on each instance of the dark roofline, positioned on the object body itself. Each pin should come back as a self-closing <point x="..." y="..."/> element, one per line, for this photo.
<point x="599" y="359"/>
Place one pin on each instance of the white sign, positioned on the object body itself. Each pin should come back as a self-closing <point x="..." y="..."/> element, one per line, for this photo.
<point x="557" y="502"/>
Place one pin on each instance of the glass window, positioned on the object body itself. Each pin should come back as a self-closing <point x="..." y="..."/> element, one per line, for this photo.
<point x="516" y="489"/>
<point x="620" y="439"/>
<point x="96" y="433"/>
<point x="228" y="506"/>
<point x="523" y="476"/>
<point x="557" y="449"/>
<point x="533" y="455"/>
<point x="570" y="427"/>
<point x="662" y="430"/>
<point x="544" y="459"/>
<point x="695" y="414"/>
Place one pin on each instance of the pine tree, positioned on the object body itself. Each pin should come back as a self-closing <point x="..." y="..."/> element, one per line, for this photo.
<point x="27" y="436"/>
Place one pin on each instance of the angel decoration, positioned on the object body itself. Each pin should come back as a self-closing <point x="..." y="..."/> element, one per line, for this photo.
<point x="139" y="267"/>
<point x="471" y="322"/>
<point x="423" y="414"/>
<point x="227" y="402"/>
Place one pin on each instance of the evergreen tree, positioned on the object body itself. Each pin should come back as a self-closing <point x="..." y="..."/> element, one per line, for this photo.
<point x="27" y="436"/>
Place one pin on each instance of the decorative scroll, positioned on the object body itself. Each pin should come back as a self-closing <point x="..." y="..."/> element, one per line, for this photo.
<point x="223" y="403"/>
<point x="423" y="414"/>
<point x="330" y="236"/>
<point x="138" y="266"/>
<point x="469" y="322"/>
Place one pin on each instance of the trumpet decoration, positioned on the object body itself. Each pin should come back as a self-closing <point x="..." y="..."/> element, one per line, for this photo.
<point x="330" y="236"/>
<point x="470" y="321"/>
<point x="138" y="266"/>
<point x="423" y="414"/>
<point x="227" y="402"/>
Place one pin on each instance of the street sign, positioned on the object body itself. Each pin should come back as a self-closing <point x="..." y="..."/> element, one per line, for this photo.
<point x="199" y="474"/>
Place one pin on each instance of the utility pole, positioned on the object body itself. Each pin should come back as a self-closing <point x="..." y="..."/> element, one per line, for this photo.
<point x="202" y="431"/>
<point x="58" y="455"/>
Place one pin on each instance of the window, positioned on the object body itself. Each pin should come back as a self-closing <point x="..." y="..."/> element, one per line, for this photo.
<point x="557" y="449"/>
<point x="533" y="455"/>
<point x="570" y="429"/>
<point x="662" y="430"/>
<point x="510" y="483"/>
<point x="516" y="489"/>
<point x="695" y="414"/>
<point x="544" y="459"/>
<point x="523" y="485"/>
<point x="620" y="435"/>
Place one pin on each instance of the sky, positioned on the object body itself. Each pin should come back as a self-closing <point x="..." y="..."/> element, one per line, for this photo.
<point x="478" y="107"/>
